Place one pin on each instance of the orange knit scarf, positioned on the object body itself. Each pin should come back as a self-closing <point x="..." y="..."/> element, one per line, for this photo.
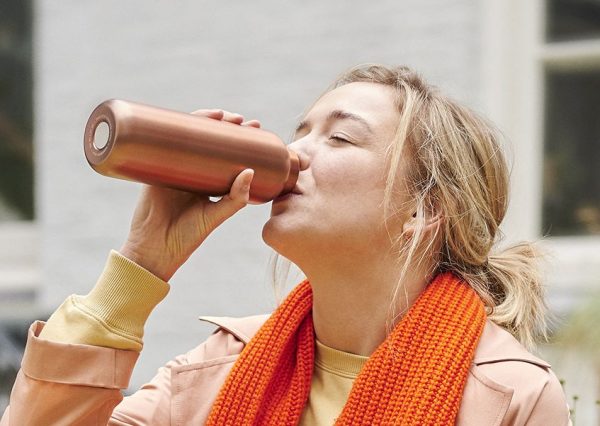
<point x="415" y="377"/>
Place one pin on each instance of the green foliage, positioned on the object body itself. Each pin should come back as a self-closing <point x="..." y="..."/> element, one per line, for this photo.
<point x="581" y="331"/>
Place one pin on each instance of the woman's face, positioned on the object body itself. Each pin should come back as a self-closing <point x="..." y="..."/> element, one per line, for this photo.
<point x="341" y="142"/>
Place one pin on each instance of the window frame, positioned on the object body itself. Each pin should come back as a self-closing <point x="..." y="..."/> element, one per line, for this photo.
<point x="515" y="56"/>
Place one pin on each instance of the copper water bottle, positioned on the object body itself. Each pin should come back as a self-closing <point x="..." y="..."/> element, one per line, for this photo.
<point x="198" y="154"/>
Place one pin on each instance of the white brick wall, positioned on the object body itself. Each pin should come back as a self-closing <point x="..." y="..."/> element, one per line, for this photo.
<point x="265" y="59"/>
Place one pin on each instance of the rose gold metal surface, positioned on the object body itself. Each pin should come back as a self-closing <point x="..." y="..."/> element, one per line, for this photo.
<point x="168" y="148"/>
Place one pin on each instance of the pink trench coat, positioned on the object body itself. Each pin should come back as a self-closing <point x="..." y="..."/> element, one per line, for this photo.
<point x="79" y="384"/>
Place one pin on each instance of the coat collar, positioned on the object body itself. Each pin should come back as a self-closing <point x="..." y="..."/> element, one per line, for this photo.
<point x="495" y="344"/>
<point x="242" y="328"/>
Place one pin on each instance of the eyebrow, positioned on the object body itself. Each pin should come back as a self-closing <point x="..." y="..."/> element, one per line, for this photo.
<point x="338" y="114"/>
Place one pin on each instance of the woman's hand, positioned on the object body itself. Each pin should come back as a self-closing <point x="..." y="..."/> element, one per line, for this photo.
<point x="168" y="224"/>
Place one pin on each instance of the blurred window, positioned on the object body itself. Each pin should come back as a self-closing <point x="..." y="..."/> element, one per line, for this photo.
<point x="572" y="19"/>
<point x="16" y="111"/>
<point x="572" y="153"/>
<point x="571" y="196"/>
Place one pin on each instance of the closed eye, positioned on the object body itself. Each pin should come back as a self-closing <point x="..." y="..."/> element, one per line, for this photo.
<point x="339" y="139"/>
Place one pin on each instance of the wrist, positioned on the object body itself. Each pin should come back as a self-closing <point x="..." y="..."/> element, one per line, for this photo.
<point x="148" y="260"/>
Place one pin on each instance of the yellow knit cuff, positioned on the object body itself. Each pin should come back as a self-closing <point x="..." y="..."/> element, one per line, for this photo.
<point x="124" y="296"/>
<point x="113" y="314"/>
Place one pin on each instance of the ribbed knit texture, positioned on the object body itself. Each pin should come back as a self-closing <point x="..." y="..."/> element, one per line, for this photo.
<point x="415" y="377"/>
<point x="124" y="298"/>
<point x="113" y="314"/>
<point x="338" y="362"/>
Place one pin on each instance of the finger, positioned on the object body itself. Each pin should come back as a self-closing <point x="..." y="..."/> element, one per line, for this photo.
<point x="232" y="117"/>
<point x="252" y="123"/>
<point x="238" y="197"/>
<point x="216" y="114"/>
<point x="240" y="190"/>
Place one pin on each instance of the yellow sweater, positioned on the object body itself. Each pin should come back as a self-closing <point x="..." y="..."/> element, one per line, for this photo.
<point x="113" y="315"/>
<point x="332" y="379"/>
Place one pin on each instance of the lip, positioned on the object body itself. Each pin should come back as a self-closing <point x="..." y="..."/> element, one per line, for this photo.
<point x="296" y="190"/>
<point x="286" y="196"/>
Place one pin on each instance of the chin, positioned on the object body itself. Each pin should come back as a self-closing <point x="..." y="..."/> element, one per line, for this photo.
<point x="282" y="237"/>
<point x="273" y="235"/>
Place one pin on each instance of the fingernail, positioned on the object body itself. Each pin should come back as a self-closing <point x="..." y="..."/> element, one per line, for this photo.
<point x="248" y="182"/>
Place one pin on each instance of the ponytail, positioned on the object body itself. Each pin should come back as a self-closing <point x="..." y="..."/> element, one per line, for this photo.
<point x="510" y="286"/>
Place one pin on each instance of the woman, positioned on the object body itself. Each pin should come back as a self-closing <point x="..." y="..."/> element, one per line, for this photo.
<point x="406" y="316"/>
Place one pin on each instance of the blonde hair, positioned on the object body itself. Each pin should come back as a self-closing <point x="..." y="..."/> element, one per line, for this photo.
<point x="455" y="167"/>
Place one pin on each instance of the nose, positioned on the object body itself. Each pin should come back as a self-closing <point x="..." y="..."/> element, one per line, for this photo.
<point x="302" y="156"/>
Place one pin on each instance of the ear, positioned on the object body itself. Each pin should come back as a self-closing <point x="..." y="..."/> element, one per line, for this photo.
<point x="430" y="224"/>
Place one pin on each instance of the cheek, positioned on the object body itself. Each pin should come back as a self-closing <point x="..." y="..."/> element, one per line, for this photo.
<point x="349" y="177"/>
<point x="351" y="194"/>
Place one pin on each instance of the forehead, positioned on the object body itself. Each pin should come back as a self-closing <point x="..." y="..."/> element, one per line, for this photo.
<point x="372" y="101"/>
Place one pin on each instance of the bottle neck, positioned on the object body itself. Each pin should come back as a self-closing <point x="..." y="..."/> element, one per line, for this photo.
<point x="293" y="174"/>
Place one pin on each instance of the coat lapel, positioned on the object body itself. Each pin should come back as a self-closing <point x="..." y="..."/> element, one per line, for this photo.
<point x="485" y="401"/>
<point x="195" y="386"/>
